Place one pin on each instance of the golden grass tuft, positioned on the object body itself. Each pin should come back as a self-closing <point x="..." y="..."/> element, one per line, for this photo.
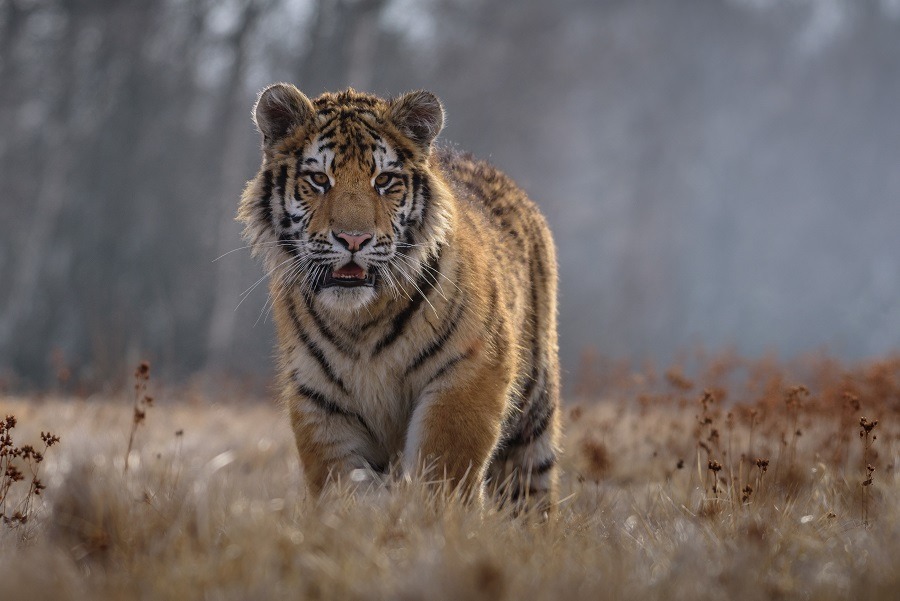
<point x="668" y="492"/>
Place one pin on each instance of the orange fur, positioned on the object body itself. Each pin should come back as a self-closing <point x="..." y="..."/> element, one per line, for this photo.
<point x="444" y="345"/>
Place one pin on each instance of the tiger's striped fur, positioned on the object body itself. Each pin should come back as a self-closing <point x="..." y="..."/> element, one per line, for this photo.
<point x="445" y="348"/>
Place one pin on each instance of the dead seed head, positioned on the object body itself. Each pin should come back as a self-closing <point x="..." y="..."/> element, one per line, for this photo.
<point x="867" y="426"/>
<point x="143" y="370"/>
<point x="16" y="516"/>
<point x="49" y="439"/>
<point x="13" y="474"/>
<point x="8" y="424"/>
<point x="141" y="403"/>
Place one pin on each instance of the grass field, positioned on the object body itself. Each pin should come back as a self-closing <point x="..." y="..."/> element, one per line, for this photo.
<point x="733" y="483"/>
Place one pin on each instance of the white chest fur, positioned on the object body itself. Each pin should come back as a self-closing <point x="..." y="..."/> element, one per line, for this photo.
<point x="373" y="385"/>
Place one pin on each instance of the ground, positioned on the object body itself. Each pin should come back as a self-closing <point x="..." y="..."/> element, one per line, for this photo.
<point x="731" y="482"/>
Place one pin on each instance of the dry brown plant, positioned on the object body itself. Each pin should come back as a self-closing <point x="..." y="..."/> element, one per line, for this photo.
<point x="218" y="510"/>
<point x="142" y="402"/>
<point x="20" y="464"/>
<point x="865" y="433"/>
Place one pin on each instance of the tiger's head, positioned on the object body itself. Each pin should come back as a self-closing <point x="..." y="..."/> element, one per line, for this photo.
<point x="345" y="206"/>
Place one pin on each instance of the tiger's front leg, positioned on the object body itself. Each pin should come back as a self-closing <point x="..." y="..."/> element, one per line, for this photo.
<point x="455" y="429"/>
<point x="331" y="441"/>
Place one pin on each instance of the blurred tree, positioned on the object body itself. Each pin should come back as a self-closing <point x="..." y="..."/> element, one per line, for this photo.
<point x="714" y="170"/>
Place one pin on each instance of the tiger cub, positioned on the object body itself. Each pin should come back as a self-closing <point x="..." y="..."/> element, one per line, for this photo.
<point x="414" y="295"/>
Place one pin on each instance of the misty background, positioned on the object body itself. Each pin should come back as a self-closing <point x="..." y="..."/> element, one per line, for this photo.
<point x="723" y="173"/>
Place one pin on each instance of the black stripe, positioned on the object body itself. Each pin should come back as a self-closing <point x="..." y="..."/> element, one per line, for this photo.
<point x="265" y="202"/>
<point x="398" y="146"/>
<point x="426" y="198"/>
<point x="449" y="328"/>
<point x="534" y="422"/>
<point x="427" y="281"/>
<point x="540" y="423"/>
<point x="538" y="373"/>
<point x="376" y="136"/>
<point x="525" y="395"/>
<point x="324" y="403"/>
<point x="315" y="351"/>
<point x="544" y="466"/>
<point x="369" y="324"/>
<point x="537" y="274"/>
<point x="287" y="244"/>
<point x="328" y="128"/>
<point x="320" y="358"/>
<point x="531" y="492"/>
<point x="448" y="365"/>
<point x="416" y="185"/>
<point x="281" y="182"/>
<point x="326" y="332"/>
<point x="332" y="408"/>
<point x="280" y="185"/>
<point x="408" y="235"/>
<point x="327" y="133"/>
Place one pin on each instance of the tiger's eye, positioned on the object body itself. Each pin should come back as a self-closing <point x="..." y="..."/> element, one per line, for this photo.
<point x="382" y="179"/>
<point x="320" y="179"/>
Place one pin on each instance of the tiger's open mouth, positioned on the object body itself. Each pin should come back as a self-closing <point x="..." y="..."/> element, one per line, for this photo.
<point x="350" y="275"/>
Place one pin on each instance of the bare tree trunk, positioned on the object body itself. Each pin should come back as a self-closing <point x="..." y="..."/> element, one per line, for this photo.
<point x="363" y="45"/>
<point x="234" y="112"/>
<point x="47" y="204"/>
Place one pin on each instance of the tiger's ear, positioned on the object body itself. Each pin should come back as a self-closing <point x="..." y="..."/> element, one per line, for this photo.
<point x="418" y="115"/>
<point x="281" y="107"/>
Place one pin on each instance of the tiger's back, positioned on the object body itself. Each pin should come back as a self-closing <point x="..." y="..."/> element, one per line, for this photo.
<point x="414" y="293"/>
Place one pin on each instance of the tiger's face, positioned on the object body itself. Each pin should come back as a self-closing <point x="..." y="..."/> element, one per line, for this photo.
<point x="348" y="190"/>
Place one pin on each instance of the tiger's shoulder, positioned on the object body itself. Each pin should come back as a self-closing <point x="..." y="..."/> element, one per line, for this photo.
<point x="518" y="228"/>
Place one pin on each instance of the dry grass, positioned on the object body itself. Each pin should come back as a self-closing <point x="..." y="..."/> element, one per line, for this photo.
<point x="750" y="490"/>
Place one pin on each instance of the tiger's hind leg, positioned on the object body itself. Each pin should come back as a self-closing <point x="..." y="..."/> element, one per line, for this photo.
<point x="524" y="471"/>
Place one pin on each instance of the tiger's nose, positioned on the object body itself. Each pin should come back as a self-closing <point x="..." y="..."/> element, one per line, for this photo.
<point x="352" y="240"/>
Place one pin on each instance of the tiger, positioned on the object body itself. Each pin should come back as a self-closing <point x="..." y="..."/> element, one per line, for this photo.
<point x="413" y="290"/>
